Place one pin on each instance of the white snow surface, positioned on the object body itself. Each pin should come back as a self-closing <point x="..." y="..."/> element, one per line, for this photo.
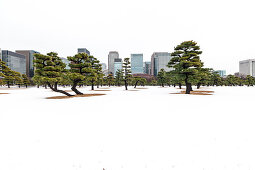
<point x="149" y="129"/>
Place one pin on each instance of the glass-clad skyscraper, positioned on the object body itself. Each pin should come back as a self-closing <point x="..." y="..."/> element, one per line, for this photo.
<point x="117" y="65"/>
<point x="111" y="57"/>
<point x="83" y="50"/>
<point x="136" y="63"/>
<point x="15" y="61"/>
<point x="30" y="69"/>
<point x="159" y="60"/>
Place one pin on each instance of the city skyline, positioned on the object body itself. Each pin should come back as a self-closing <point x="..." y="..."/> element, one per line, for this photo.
<point x="225" y="36"/>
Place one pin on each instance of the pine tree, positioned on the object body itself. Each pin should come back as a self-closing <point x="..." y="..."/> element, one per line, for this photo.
<point x="127" y="72"/>
<point x="249" y="80"/>
<point x="25" y="79"/>
<point x="138" y="80"/>
<point x="202" y="77"/>
<point x="80" y="68"/>
<point x="161" y="77"/>
<point x="95" y="71"/>
<point x="186" y="61"/>
<point x="110" y="79"/>
<point x="119" y="77"/>
<point x="50" y="70"/>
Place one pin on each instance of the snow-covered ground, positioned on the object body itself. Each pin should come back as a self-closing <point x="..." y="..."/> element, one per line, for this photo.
<point x="149" y="129"/>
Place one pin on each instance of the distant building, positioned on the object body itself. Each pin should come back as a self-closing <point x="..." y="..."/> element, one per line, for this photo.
<point x="104" y="68"/>
<point x="30" y="69"/>
<point x="222" y="73"/>
<point x="136" y="63"/>
<point x="66" y="61"/>
<point x="83" y="50"/>
<point x="117" y="65"/>
<point x="147" y="67"/>
<point x="111" y="56"/>
<point x="15" y="61"/>
<point x="159" y="60"/>
<point x="247" y="67"/>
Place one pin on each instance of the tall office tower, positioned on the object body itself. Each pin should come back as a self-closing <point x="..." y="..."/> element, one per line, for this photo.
<point x="83" y="50"/>
<point x="15" y="61"/>
<point x="111" y="56"/>
<point x="117" y="65"/>
<point x="159" y="60"/>
<point x="30" y="69"/>
<point x="136" y="63"/>
<point x="147" y="67"/>
<point x="222" y="73"/>
<point x="247" y="67"/>
<point x="66" y="61"/>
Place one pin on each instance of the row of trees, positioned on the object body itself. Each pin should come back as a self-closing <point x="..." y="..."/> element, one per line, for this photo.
<point x="85" y="70"/>
<point x="9" y="77"/>
<point x="204" y="77"/>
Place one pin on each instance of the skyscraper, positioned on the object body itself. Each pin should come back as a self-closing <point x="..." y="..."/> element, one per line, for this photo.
<point x="222" y="73"/>
<point x="29" y="61"/>
<point x="159" y="60"/>
<point x="117" y="65"/>
<point x="247" y="67"/>
<point x="136" y="63"/>
<point x="147" y="67"/>
<point x="111" y="56"/>
<point x="15" y="61"/>
<point x="83" y="50"/>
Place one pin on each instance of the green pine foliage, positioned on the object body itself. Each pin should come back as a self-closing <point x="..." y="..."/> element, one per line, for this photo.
<point x="138" y="81"/>
<point x="110" y="80"/>
<point x="186" y="62"/>
<point x="26" y="81"/>
<point x="126" y="72"/>
<point x="119" y="77"/>
<point x="80" y="69"/>
<point x="50" y="70"/>
<point x="162" y="77"/>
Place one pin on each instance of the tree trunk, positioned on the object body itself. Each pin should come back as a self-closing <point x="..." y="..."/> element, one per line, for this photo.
<point x="26" y="85"/>
<point x="8" y="84"/>
<point x="37" y="86"/>
<point x="136" y="84"/>
<point x="59" y="91"/>
<point x="174" y="85"/>
<point x="188" y="85"/>
<point x="75" y="89"/>
<point x="180" y="86"/>
<point x="92" y="85"/>
<point x="198" y="85"/>
<point x="126" y="84"/>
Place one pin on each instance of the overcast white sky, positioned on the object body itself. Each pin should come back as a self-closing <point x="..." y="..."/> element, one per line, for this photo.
<point x="224" y="29"/>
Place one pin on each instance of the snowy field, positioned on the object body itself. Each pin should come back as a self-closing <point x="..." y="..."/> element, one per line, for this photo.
<point x="149" y="129"/>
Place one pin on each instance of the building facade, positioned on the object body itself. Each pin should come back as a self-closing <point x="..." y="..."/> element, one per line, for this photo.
<point x="83" y="50"/>
<point x="136" y="63"/>
<point x="15" y="61"/>
<point x="30" y="69"/>
<point x="159" y="60"/>
<point x="222" y="73"/>
<point x="247" y="67"/>
<point x="147" y="67"/>
<point x="111" y="56"/>
<point x="117" y="65"/>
